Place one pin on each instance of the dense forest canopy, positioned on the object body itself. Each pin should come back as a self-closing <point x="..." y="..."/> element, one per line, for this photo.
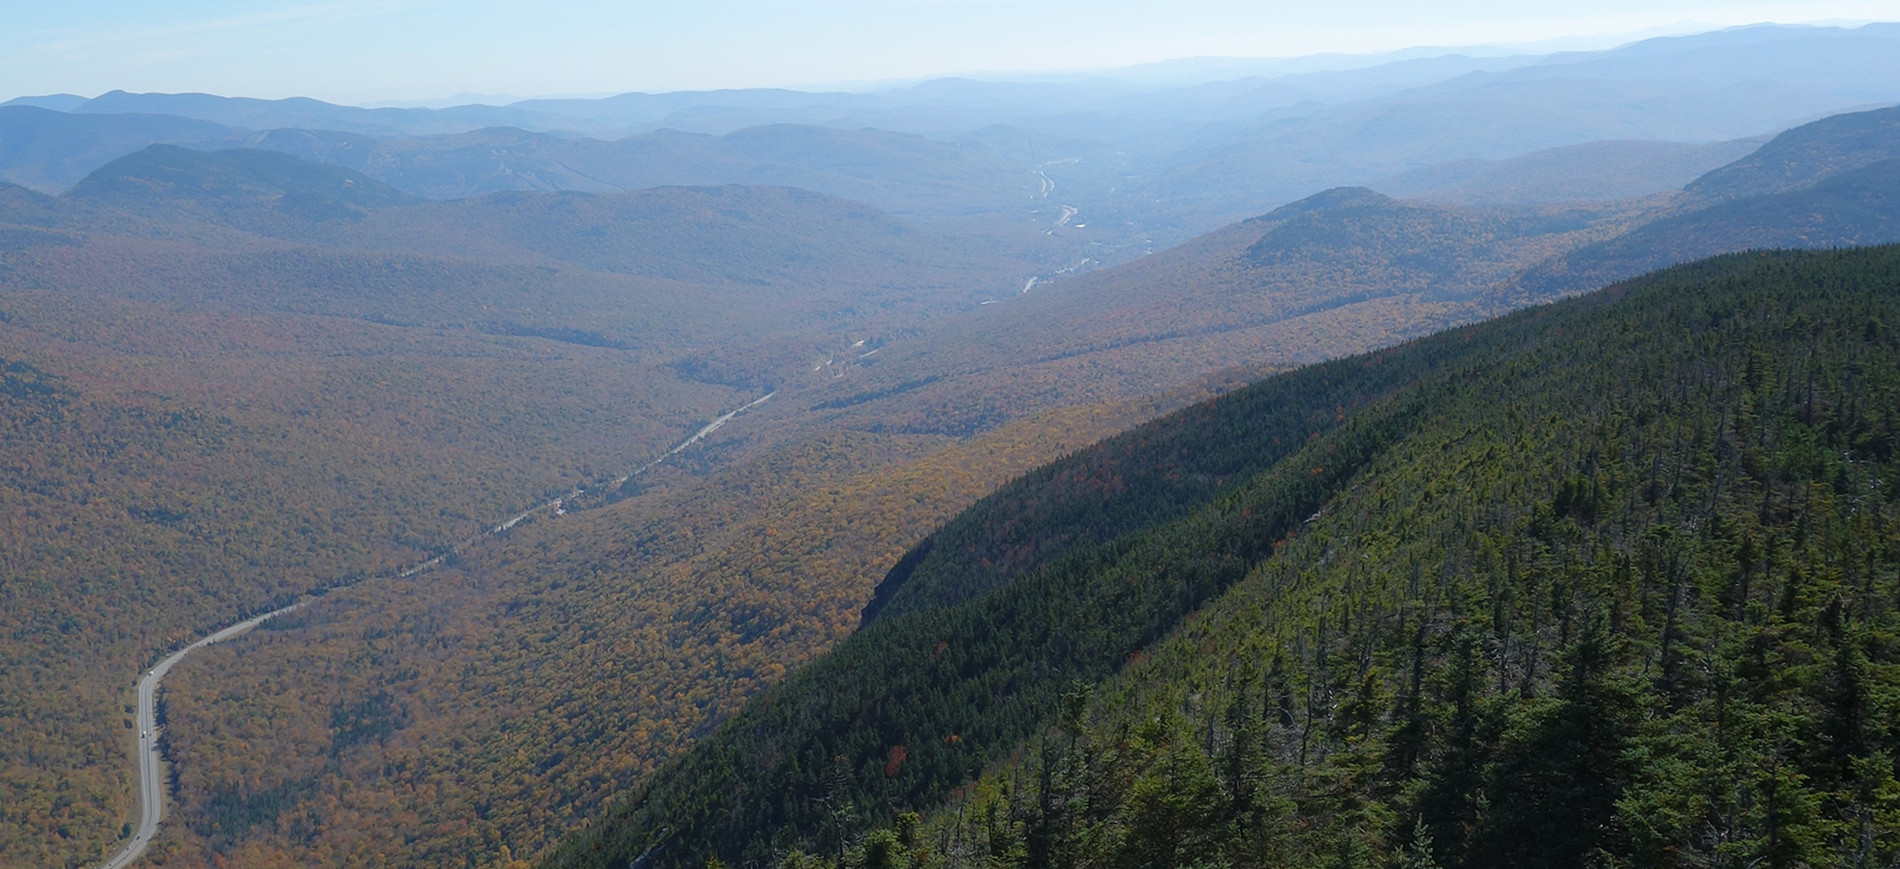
<point x="1609" y="580"/>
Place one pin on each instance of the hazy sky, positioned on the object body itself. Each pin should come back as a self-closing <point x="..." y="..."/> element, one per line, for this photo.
<point x="369" y="50"/>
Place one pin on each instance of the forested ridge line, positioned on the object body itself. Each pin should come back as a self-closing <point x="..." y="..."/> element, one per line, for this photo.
<point x="1615" y="581"/>
<point x="1629" y="601"/>
<point x="759" y="781"/>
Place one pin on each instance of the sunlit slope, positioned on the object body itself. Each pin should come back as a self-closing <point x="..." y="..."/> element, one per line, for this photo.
<point x="1639" y="543"/>
<point x="1337" y="272"/>
<point x="1807" y="154"/>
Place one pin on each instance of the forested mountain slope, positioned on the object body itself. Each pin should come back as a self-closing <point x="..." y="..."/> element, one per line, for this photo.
<point x="1335" y="272"/>
<point x="1829" y="183"/>
<point x="1807" y="154"/>
<point x="1857" y="207"/>
<point x="1339" y="271"/>
<point x="1615" y="577"/>
<point x="166" y="176"/>
<point x="1709" y="87"/>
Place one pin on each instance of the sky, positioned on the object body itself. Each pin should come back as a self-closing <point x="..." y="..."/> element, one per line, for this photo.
<point x="369" y="51"/>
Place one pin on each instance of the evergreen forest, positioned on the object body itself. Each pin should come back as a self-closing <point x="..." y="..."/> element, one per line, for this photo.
<point x="1607" y="582"/>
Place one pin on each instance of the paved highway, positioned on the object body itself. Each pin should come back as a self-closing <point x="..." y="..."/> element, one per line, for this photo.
<point x="152" y="784"/>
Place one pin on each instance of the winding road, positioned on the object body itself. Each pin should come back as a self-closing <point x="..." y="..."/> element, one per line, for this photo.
<point x="151" y="785"/>
<point x="151" y="781"/>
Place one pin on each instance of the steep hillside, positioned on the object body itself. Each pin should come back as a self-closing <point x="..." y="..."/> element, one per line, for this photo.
<point x="1349" y="265"/>
<point x="1627" y="559"/>
<point x="23" y="207"/>
<point x="1805" y="155"/>
<point x="1335" y="272"/>
<point x="1857" y="207"/>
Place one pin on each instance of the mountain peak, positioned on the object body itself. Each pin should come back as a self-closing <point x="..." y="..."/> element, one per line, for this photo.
<point x="1330" y="200"/>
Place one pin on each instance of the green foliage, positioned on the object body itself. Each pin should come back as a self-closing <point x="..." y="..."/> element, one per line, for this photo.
<point x="1156" y="473"/>
<point x="818" y="751"/>
<point x="1612" y="582"/>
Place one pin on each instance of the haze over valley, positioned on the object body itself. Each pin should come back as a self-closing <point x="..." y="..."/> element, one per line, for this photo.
<point x="1219" y="461"/>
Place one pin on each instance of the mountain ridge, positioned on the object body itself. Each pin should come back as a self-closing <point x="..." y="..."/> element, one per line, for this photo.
<point x="913" y="704"/>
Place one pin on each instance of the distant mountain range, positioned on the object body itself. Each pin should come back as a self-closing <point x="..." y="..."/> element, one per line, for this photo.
<point x="1338" y="268"/>
<point x="1140" y="162"/>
